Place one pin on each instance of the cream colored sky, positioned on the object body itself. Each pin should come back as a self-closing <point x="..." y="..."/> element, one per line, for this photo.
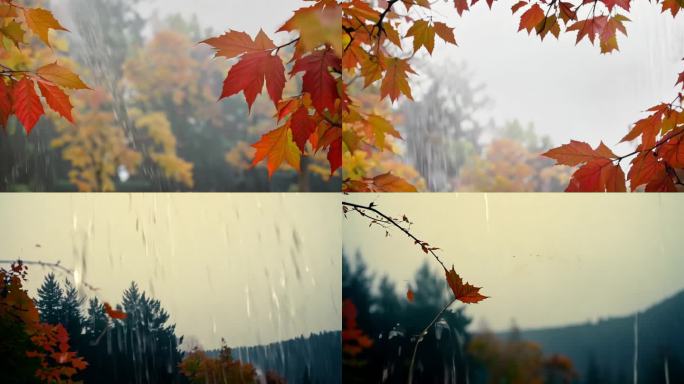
<point x="223" y="265"/>
<point x="545" y="259"/>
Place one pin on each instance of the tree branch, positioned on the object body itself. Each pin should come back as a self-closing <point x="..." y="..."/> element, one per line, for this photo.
<point x="361" y="209"/>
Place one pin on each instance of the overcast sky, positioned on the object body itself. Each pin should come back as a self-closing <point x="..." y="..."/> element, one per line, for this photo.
<point x="545" y="259"/>
<point x="249" y="16"/>
<point x="253" y="268"/>
<point x="567" y="90"/>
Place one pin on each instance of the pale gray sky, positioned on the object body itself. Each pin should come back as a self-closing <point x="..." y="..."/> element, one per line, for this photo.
<point x="545" y="259"/>
<point x="248" y="16"/>
<point x="253" y="268"/>
<point x="567" y="90"/>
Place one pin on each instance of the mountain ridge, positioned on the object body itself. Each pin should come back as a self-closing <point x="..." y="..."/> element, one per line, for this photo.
<point x="606" y="348"/>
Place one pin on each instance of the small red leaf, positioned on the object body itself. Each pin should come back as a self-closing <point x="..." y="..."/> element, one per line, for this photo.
<point x="531" y="18"/>
<point x="318" y="80"/>
<point x="114" y="313"/>
<point x="302" y="127"/>
<point x="249" y="74"/>
<point x="27" y="106"/>
<point x="56" y="99"/>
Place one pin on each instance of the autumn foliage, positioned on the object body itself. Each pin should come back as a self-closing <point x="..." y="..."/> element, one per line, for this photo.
<point x="20" y="87"/>
<point x="656" y="163"/>
<point x="354" y="340"/>
<point x="519" y="361"/>
<point x="342" y="64"/>
<point x="48" y="350"/>
<point x="376" y="51"/>
<point x="308" y="121"/>
<point x="378" y="43"/>
<point x="200" y="368"/>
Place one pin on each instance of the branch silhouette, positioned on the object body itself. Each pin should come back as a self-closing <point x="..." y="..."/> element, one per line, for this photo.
<point x="377" y="217"/>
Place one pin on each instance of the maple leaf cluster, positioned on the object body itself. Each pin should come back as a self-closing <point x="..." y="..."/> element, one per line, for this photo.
<point x="374" y="62"/>
<point x="658" y="158"/>
<point x="375" y="54"/>
<point x="18" y="95"/>
<point x="306" y="122"/>
<point x="57" y="363"/>
<point x="557" y="15"/>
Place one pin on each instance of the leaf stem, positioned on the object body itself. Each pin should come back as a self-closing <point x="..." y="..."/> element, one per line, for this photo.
<point x="658" y="144"/>
<point x="285" y="45"/>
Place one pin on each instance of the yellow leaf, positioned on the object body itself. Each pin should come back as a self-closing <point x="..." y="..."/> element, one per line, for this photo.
<point x="381" y="127"/>
<point x="423" y="35"/>
<point x="61" y="76"/>
<point x="387" y="182"/>
<point x="13" y="32"/>
<point x="40" y="21"/>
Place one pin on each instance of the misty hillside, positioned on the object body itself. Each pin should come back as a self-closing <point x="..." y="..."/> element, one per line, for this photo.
<point x="320" y="353"/>
<point x="604" y="351"/>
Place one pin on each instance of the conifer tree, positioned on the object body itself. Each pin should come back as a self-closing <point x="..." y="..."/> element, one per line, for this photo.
<point x="49" y="302"/>
<point x="71" y="314"/>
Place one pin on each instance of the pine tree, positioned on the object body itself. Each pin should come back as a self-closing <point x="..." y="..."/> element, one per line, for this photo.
<point x="71" y="315"/>
<point x="49" y="302"/>
<point x="150" y="345"/>
<point x="97" y="321"/>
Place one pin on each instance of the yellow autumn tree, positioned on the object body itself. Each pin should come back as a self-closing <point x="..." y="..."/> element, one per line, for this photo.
<point x="97" y="147"/>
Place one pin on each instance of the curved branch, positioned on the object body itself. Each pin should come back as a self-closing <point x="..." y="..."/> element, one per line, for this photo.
<point x="361" y="209"/>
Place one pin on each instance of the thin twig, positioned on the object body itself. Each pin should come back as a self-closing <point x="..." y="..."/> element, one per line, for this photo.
<point x="391" y="221"/>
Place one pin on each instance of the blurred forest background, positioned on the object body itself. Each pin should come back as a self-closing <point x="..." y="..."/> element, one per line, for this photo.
<point x="453" y="351"/>
<point x="453" y="143"/>
<point x="143" y="347"/>
<point x="446" y="140"/>
<point x="152" y="121"/>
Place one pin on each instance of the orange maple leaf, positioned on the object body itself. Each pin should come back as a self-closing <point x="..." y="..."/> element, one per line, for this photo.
<point x="463" y="292"/>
